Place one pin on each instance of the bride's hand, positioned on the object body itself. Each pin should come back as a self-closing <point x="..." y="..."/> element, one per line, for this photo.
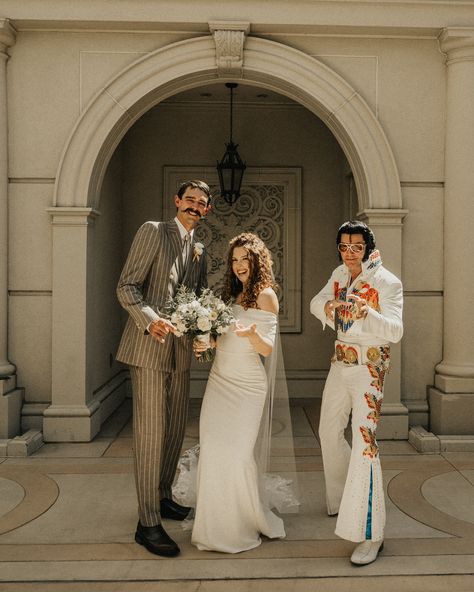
<point x="199" y="347"/>
<point x="242" y="331"/>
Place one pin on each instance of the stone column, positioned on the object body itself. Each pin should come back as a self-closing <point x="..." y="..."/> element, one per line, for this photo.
<point x="387" y="227"/>
<point x="73" y="415"/>
<point x="452" y="399"/>
<point x="7" y="38"/>
<point x="10" y="397"/>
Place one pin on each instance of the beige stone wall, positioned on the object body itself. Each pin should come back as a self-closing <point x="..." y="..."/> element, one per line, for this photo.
<point x="52" y="75"/>
<point x="30" y="287"/>
<point x="51" y="78"/>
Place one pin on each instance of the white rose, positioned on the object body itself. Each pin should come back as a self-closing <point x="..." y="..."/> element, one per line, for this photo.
<point x="204" y="324"/>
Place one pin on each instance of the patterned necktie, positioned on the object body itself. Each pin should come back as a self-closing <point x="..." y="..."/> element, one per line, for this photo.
<point x="186" y="248"/>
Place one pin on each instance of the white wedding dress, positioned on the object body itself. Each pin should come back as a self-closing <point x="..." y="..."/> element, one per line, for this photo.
<point x="230" y="514"/>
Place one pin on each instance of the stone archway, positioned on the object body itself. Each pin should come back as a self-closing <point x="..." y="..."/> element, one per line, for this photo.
<point x="75" y="412"/>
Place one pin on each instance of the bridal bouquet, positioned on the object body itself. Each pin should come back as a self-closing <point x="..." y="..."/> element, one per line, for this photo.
<point x="200" y="317"/>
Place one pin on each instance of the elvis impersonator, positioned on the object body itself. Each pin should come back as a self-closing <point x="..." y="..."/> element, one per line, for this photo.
<point x="363" y="302"/>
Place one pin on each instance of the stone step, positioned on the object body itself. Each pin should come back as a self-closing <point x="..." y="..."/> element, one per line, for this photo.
<point x="24" y="445"/>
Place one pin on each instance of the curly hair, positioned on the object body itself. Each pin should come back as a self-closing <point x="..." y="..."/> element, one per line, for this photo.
<point x="260" y="277"/>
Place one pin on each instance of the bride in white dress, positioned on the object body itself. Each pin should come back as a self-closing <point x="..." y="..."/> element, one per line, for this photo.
<point x="230" y="513"/>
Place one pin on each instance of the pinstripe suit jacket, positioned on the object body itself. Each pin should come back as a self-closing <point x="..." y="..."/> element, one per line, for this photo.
<point x="143" y="290"/>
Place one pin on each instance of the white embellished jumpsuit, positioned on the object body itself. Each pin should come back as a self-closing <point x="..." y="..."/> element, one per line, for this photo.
<point x="354" y="487"/>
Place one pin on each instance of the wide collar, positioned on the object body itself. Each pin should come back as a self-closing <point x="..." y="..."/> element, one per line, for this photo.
<point x="369" y="267"/>
<point x="373" y="262"/>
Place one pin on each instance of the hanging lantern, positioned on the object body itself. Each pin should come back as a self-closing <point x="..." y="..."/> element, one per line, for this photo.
<point x="231" y="167"/>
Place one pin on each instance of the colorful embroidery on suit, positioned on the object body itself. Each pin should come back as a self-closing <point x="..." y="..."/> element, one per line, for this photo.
<point x="344" y="317"/>
<point x="368" y="435"/>
<point x="378" y="374"/>
<point x="346" y="314"/>
<point x="385" y="354"/>
<point x="369" y="294"/>
<point x="375" y="404"/>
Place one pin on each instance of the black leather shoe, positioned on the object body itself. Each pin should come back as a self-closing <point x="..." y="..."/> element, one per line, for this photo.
<point x="170" y="509"/>
<point x="155" y="540"/>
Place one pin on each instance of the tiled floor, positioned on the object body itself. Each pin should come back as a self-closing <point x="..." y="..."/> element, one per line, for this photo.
<point x="68" y="515"/>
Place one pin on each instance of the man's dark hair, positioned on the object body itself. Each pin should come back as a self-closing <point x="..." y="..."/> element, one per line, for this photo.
<point x="204" y="187"/>
<point x="358" y="227"/>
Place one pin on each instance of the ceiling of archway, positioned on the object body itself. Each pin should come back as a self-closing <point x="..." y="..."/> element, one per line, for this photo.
<point x="218" y="93"/>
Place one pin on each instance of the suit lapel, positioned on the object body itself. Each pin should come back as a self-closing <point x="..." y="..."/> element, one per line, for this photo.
<point x="176" y="250"/>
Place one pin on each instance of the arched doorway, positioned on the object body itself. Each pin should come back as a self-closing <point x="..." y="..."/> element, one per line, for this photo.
<point x="78" y="407"/>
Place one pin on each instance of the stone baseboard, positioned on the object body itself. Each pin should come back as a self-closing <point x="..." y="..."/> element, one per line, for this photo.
<point x="428" y="443"/>
<point x="393" y="424"/>
<point x="11" y="399"/>
<point x="81" y="423"/>
<point x="451" y="413"/>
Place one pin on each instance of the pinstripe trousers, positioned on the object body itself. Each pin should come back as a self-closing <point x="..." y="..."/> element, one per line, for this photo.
<point x="160" y="403"/>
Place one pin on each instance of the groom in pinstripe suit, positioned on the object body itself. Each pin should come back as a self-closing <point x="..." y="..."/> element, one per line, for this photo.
<point x="161" y="258"/>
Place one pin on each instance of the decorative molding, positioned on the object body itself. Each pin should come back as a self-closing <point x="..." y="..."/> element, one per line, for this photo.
<point x="186" y="64"/>
<point x="458" y="44"/>
<point x="383" y="217"/>
<point x="30" y="292"/>
<point x="64" y="216"/>
<point x="423" y="184"/>
<point x="32" y="180"/>
<point x="270" y="206"/>
<point x="229" y="37"/>
<point x="7" y="35"/>
<point x="423" y="293"/>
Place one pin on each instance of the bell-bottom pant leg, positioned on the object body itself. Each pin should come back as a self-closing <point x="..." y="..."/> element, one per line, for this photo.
<point x="176" y="410"/>
<point x="149" y="388"/>
<point x="335" y="411"/>
<point x="362" y="509"/>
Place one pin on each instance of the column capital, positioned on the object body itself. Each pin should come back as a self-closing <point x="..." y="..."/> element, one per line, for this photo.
<point x="72" y="216"/>
<point x="458" y="44"/>
<point x="382" y="217"/>
<point x="7" y="34"/>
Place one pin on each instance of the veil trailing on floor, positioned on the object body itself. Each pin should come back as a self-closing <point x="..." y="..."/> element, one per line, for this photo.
<point x="274" y="449"/>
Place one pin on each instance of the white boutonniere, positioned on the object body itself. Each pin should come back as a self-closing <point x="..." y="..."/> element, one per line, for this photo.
<point x="198" y="251"/>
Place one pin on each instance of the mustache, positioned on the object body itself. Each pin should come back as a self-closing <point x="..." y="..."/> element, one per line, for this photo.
<point x="197" y="212"/>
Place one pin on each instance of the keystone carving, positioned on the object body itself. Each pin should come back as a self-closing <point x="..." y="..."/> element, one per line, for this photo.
<point x="229" y="38"/>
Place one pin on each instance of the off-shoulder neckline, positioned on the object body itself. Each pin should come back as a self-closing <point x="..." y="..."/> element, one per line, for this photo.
<point x="258" y="309"/>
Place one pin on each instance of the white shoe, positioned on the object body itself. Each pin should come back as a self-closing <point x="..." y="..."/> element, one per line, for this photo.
<point x="366" y="552"/>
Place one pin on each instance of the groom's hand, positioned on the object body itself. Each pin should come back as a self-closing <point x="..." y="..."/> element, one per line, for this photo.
<point x="160" y="328"/>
